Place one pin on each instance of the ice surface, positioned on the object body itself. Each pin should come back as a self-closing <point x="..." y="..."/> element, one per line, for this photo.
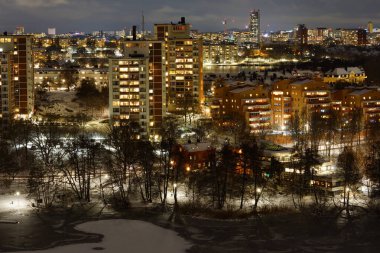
<point x="128" y="236"/>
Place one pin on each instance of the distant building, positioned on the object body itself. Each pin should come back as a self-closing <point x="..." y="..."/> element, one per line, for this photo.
<point x="348" y="75"/>
<point x="16" y="79"/>
<point x="20" y="30"/>
<point x="281" y="37"/>
<point x="221" y="53"/>
<point x="354" y="37"/>
<point x="370" y="27"/>
<point x="301" y="36"/>
<point x="254" y="26"/>
<point x="318" y="35"/>
<point x="374" y="38"/>
<point x="99" y="75"/>
<point x="51" y="31"/>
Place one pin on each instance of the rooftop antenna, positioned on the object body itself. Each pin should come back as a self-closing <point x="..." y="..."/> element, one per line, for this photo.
<point x="143" y="24"/>
<point x="224" y="22"/>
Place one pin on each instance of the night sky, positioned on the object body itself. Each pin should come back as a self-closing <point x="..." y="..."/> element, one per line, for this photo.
<point x="204" y="15"/>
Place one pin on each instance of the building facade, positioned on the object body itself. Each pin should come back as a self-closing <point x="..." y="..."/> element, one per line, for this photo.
<point x="298" y="97"/>
<point x="184" y="64"/>
<point x="222" y="53"/>
<point x="351" y="37"/>
<point x="251" y="102"/>
<point x="137" y="86"/>
<point x="16" y="80"/>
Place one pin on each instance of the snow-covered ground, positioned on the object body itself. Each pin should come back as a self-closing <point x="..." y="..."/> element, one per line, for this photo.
<point x="66" y="104"/>
<point x="60" y="102"/>
<point x="125" y="236"/>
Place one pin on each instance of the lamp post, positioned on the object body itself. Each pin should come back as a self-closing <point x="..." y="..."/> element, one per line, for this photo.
<point x="18" y="201"/>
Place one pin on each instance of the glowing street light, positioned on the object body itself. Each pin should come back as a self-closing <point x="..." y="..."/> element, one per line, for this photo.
<point x="17" y="193"/>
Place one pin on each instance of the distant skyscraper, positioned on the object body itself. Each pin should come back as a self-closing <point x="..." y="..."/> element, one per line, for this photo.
<point x="51" y="31"/>
<point x="20" y="30"/>
<point x="254" y="26"/>
<point x="301" y="35"/>
<point x="370" y="27"/>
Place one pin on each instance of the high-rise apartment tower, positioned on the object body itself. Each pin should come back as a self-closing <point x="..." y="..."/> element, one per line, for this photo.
<point x="254" y="26"/>
<point x="16" y="77"/>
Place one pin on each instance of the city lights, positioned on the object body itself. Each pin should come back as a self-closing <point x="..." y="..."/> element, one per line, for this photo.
<point x="237" y="127"/>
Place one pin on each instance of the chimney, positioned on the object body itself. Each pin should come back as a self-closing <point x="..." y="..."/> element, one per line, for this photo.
<point x="5" y="33"/>
<point x="183" y="20"/>
<point x="134" y="37"/>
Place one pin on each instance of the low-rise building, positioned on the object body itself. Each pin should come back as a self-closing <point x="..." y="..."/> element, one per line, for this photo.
<point x="250" y="101"/>
<point x="222" y="53"/>
<point x="196" y="156"/>
<point x="100" y="76"/>
<point x="348" y="75"/>
<point x="298" y="96"/>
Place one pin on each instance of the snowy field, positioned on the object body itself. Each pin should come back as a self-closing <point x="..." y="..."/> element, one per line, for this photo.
<point x="129" y="236"/>
<point x="66" y="104"/>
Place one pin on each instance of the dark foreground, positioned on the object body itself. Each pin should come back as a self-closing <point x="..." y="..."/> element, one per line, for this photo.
<point x="280" y="232"/>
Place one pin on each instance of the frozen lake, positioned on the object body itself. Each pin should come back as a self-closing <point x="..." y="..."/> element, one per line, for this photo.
<point x="125" y="236"/>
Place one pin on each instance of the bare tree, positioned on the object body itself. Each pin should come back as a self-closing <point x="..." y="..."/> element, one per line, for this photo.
<point x="349" y="171"/>
<point x="169" y="134"/>
<point x="146" y="159"/>
<point x="81" y="165"/>
<point x="331" y="130"/>
<point x="45" y="180"/>
<point x="316" y="129"/>
<point x="224" y="170"/>
<point x="122" y="140"/>
<point x="188" y="105"/>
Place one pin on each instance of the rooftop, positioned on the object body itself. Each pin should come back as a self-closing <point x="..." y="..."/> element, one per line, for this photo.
<point x="346" y="71"/>
<point x="359" y="92"/>
<point x="300" y="82"/>
<point x="243" y="89"/>
<point x="197" y="147"/>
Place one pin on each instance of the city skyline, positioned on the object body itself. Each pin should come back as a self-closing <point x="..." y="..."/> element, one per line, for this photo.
<point x="90" y="15"/>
